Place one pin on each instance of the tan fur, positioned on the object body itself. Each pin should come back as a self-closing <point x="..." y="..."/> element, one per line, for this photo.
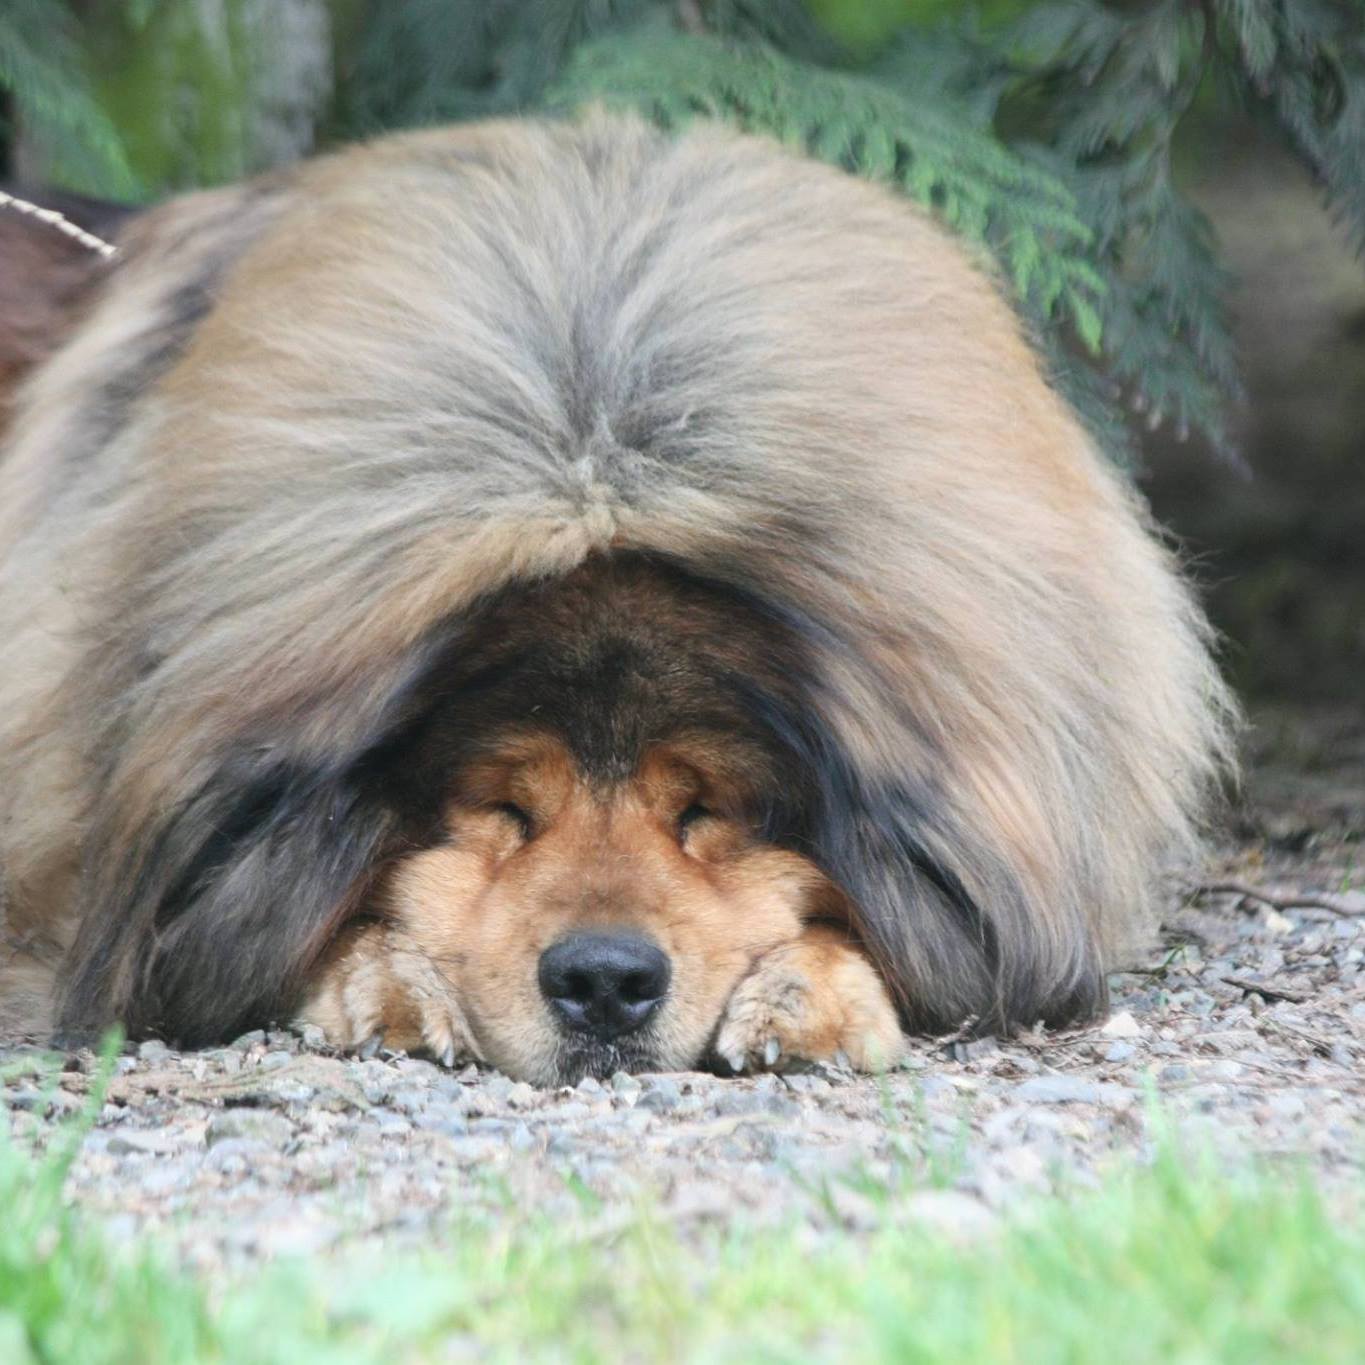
<point x="453" y="968"/>
<point x="472" y="357"/>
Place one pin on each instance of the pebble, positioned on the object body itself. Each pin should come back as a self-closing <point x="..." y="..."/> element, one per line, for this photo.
<point x="256" y="1125"/>
<point x="1121" y="1025"/>
<point x="1057" y="1090"/>
<point x="236" y="1155"/>
<point x="443" y="1118"/>
<point x="736" y="1102"/>
<point x="660" y="1094"/>
<point x="146" y="1141"/>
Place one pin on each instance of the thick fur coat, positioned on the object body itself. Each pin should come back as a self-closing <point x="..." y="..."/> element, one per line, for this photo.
<point x="308" y="429"/>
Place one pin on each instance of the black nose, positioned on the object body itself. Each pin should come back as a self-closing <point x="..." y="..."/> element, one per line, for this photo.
<point x="603" y="984"/>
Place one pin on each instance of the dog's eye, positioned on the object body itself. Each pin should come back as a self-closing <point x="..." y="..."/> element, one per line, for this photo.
<point x="690" y="816"/>
<point x="523" y="821"/>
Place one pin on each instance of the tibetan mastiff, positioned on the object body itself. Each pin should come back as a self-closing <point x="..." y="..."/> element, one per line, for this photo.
<point x="570" y="597"/>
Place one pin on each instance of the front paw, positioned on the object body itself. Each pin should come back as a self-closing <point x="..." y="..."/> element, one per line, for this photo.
<point x="817" y="998"/>
<point x="374" y="990"/>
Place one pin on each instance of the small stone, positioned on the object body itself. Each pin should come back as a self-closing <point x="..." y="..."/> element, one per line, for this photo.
<point x="314" y="1039"/>
<point x="237" y="1156"/>
<point x="736" y="1103"/>
<point x="420" y="1072"/>
<point x="273" y="1061"/>
<point x="391" y="1124"/>
<point x="562" y="1144"/>
<point x="448" y="1089"/>
<point x="591" y="1086"/>
<point x="807" y="1085"/>
<point x="1057" y="1090"/>
<point x="292" y="1092"/>
<point x="623" y="1083"/>
<point x="166" y="1177"/>
<point x="661" y="1093"/>
<point x="248" y="1040"/>
<point x="1225" y="1069"/>
<point x="521" y="1095"/>
<point x="153" y="1050"/>
<point x="1286" y="1105"/>
<point x="521" y="1139"/>
<point x="1119" y="1052"/>
<point x="410" y="1100"/>
<point x="497" y="1089"/>
<point x="27" y="1100"/>
<point x="973" y="1049"/>
<point x="146" y="1141"/>
<point x="224" y="1058"/>
<point x="443" y="1118"/>
<point x="254" y="1125"/>
<point x="1175" y="1072"/>
<point x="1121" y="1025"/>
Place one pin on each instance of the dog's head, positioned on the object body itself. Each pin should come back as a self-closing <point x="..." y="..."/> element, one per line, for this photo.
<point x="613" y="848"/>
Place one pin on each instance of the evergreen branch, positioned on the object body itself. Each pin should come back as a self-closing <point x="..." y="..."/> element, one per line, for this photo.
<point x="41" y="68"/>
<point x="1009" y="202"/>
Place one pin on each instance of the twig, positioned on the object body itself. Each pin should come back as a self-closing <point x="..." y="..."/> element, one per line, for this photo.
<point x="1267" y="991"/>
<point x="1316" y="1041"/>
<point x="60" y="222"/>
<point x="1290" y="901"/>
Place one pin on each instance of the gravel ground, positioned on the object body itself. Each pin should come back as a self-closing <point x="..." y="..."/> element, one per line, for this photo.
<point x="1248" y="1022"/>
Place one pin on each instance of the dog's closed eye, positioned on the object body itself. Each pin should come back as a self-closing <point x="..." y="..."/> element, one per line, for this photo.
<point x="522" y="819"/>
<point x="690" y="816"/>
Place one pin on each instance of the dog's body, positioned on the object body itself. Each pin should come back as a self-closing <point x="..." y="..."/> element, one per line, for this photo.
<point x="504" y="534"/>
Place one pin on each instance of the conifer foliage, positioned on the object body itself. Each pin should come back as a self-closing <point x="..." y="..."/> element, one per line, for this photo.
<point x="1045" y="136"/>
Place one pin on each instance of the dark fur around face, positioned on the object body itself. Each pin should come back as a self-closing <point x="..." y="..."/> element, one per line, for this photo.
<point x="250" y="880"/>
<point x="339" y="476"/>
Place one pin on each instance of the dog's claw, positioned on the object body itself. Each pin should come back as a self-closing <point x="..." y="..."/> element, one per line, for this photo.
<point x="841" y="1061"/>
<point x="736" y="1061"/>
<point x="772" y="1050"/>
<point x="369" y="1047"/>
<point x="448" y="1056"/>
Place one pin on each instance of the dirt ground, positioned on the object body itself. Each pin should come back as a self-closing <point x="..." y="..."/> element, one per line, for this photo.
<point x="1247" y="1024"/>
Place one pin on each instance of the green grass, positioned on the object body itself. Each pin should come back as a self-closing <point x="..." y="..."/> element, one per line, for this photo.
<point x="1173" y="1263"/>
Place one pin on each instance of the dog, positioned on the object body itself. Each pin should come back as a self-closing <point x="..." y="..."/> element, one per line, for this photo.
<point x="573" y="597"/>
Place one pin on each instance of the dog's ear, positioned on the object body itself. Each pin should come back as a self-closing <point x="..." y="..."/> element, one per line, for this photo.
<point x="204" y="919"/>
<point x="47" y="273"/>
<point x="208" y="925"/>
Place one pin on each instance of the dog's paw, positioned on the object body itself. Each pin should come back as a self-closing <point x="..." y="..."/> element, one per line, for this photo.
<point x="817" y="998"/>
<point x="372" y="991"/>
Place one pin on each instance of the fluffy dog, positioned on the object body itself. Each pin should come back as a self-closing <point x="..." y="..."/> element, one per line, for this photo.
<point x="575" y="598"/>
